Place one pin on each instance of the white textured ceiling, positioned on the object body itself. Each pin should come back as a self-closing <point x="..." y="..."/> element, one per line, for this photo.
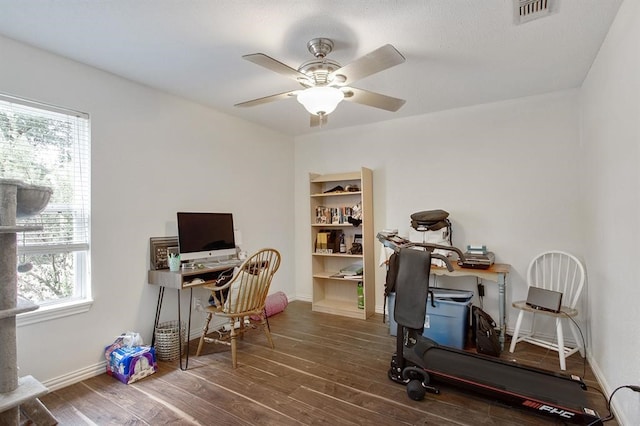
<point x="458" y="52"/>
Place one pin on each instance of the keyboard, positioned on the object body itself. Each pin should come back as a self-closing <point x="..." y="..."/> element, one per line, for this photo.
<point x="230" y="262"/>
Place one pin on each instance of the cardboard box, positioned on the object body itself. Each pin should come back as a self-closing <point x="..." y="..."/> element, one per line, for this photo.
<point x="130" y="364"/>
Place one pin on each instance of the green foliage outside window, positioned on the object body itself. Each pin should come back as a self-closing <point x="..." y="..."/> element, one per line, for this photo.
<point x="40" y="147"/>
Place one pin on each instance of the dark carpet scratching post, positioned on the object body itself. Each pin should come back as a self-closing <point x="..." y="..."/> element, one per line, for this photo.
<point x="412" y="287"/>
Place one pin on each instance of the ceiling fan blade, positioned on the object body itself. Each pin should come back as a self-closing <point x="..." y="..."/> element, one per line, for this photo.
<point x="372" y="99"/>
<point x="267" y="99"/>
<point x="274" y="65"/>
<point x="380" y="59"/>
<point x="318" y="120"/>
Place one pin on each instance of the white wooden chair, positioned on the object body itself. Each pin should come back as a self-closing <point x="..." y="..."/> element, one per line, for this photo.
<point x="242" y="300"/>
<point x="558" y="271"/>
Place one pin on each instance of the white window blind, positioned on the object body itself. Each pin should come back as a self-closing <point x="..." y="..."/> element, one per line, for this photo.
<point x="46" y="145"/>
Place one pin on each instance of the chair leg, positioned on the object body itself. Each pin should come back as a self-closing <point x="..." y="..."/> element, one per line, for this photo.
<point x="205" y="329"/>
<point x="234" y="344"/>
<point x="576" y="336"/>
<point x="563" y="363"/>
<point x="241" y="328"/>
<point x="516" y="332"/>
<point x="264" y="312"/>
<point x="265" y="327"/>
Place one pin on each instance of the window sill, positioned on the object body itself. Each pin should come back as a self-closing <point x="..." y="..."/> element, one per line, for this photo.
<point x="46" y="313"/>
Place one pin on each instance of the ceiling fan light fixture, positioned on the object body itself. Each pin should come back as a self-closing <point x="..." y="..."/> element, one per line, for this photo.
<point x="321" y="100"/>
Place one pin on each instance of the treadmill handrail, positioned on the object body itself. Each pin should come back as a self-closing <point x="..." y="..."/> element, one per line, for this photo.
<point x="445" y="259"/>
<point x="396" y="243"/>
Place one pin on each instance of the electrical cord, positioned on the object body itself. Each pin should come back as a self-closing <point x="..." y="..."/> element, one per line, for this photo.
<point x="634" y="388"/>
<point x="584" y="344"/>
<point x="610" y="416"/>
<point x="480" y="292"/>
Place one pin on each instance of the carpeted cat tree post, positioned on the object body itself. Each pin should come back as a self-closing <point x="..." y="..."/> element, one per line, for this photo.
<point x="17" y="200"/>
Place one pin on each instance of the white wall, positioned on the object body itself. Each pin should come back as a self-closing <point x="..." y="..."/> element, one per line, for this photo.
<point x="521" y="176"/>
<point x="506" y="173"/>
<point x="556" y="171"/>
<point x="152" y="155"/>
<point x="610" y="126"/>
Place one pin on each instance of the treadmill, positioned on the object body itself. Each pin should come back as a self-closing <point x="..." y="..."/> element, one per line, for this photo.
<point x="418" y="359"/>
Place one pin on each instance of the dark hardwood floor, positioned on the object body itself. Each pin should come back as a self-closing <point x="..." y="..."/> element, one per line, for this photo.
<point x="325" y="369"/>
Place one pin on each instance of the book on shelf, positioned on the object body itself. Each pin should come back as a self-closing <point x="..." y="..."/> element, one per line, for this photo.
<point x="346" y="277"/>
<point x="333" y="215"/>
<point x="353" y="269"/>
<point x="351" y="272"/>
<point x="321" y="240"/>
<point x="323" y="214"/>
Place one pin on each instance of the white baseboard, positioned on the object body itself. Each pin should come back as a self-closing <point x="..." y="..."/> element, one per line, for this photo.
<point x="76" y="376"/>
<point x="606" y="389"/>
<point x="99" y="368"/>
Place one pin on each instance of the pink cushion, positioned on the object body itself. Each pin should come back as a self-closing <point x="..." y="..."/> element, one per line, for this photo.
<point x="276" y="303"/>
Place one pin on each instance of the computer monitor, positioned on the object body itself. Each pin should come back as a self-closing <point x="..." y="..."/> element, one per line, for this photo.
<point x="205" y="235"/>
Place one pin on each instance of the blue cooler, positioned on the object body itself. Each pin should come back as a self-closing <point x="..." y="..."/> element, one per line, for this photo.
<point x="448" y="322"/>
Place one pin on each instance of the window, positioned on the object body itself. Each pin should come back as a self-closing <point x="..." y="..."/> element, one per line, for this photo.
<point x="46" y="145"/>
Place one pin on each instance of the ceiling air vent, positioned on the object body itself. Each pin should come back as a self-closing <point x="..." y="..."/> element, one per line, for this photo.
<point x="528" y="10"/>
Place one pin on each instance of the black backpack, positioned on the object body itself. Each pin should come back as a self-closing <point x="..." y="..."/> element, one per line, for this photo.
<point x="392" y="274"/>
<point x="483" y="330"/>
<point x="390" y="282"/>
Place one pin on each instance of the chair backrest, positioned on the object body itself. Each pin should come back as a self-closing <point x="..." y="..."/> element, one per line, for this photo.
<point x="250" y="285"/>
<point x="558" y="271"/>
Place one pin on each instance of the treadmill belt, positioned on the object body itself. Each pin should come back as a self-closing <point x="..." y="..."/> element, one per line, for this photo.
<point x="490" y="374"/>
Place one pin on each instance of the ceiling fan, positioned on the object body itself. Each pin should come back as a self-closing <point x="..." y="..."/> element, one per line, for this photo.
<point x="325" y="82"/>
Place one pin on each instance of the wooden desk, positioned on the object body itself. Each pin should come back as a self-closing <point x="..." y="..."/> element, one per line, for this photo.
<point x="183" y="280"/>
<point x="497" y="273"/>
